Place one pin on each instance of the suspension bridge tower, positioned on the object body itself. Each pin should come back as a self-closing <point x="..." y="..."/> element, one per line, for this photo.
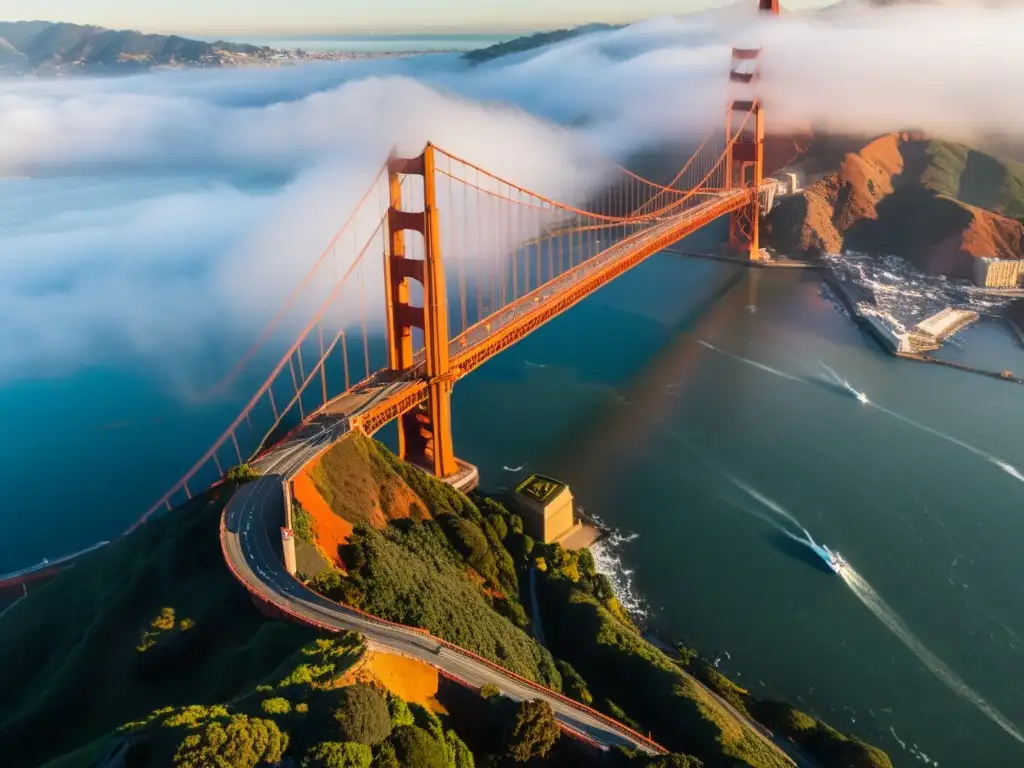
<point x="744" y="127"/>
<point x="425" y="432"/>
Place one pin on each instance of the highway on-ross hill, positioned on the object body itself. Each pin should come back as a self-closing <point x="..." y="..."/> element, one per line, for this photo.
<point x="251" y="541"/>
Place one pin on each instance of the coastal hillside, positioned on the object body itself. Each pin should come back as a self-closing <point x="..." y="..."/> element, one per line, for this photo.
<point x="938" y="204"/>
<point x="44" y="47"/>
<point x="149" y="654"/>
<point x="148" y="621"/>
<point x="530" y="42"/>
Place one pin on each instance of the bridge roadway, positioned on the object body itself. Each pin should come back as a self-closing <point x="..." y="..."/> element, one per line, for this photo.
<point x="250" y="538"/>
<point x="381" y="397"/>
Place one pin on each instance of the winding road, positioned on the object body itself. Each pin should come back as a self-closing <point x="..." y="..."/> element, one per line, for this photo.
<point x="251" y="541"/>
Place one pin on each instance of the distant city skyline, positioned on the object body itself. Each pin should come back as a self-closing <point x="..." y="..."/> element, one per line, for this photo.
<point x="291" y="17"/>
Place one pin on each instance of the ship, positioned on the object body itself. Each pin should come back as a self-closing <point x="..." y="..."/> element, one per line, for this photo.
<point x="832" y="559"/>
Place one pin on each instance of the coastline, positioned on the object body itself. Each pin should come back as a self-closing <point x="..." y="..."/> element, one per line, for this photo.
<point x="840" y="292"/>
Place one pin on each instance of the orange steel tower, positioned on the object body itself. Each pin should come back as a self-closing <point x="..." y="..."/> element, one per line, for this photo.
<point x="745" y="162"/>
<point x="425" y="432"/>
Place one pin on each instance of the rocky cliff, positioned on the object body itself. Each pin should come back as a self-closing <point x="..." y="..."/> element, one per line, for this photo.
<point x="938" y="204"/>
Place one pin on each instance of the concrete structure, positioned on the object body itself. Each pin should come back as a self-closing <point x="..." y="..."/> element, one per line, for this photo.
<point x="945" y="323"/>
<point x="548" y="506"/>
<point x="998" y="273"/>
<point x="792" y="184"/>
<point x="288" y="548"/>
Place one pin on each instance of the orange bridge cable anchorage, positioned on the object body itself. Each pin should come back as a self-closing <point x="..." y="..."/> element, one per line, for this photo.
<point x="230" y="431"/>
<point x="231" y="375"/>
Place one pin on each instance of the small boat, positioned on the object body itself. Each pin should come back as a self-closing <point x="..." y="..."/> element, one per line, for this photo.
<point x="832" y="559"/>
<point x="862" y="397"/>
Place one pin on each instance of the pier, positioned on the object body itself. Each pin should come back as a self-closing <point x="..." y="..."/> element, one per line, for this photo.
<point x="948" y="321"/>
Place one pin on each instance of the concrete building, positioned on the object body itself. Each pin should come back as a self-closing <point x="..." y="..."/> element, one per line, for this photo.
<point x="946" y="322"/>
<point x="548" y="508"/>
<point x="998" y="273"/>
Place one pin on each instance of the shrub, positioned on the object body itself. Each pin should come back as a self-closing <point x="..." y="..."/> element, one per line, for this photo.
<point x="333" y="754"/>
<point x="362" y="715"/>
<point x="164" y="621"/>
<point x="242" y="473"/>
<point x="398" y="711"/>
<point x="534" y="732"/>
<point x="276" y="706"/>
<point x="303" y="524"/>
<point x="415" y="747"/>
<point x="573" y="684"/>
<point x="489" y="690"/>
<point x="242" y="742"/>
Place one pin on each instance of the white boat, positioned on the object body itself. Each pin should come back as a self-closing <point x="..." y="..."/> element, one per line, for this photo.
<point x="832" y="559"/>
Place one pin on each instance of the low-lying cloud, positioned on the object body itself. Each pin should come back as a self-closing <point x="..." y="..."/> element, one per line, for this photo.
<point x="168" y="210"/>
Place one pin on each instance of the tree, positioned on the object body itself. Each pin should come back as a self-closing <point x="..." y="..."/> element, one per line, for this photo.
<point x="459" y="755"/>
<point x="415" y="747"/>
<point x="334" y="754"/>
<point x="386" y="757"/>
<point x="362" y="715"/>
<point x="675" y="760"/>
<point x="242" y="742"/>
<point x="489" y="690"/>
<point x="399" y="711"/>
<point x="277" y="706"/>
<point x="243" y="473"/>
<point x="573" y="685"/>
<point x="534" y="732"/>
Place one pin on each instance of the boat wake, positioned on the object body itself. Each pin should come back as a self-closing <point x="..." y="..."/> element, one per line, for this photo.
<point x="837" y="382"/>
<point x="1008" y="468"/>
<point x="507" y="468"/>
<point x="761" y="366"/>
<point x="882" y="611"/>
<point x="840" y="383"/>
<point x="874" y="603"/>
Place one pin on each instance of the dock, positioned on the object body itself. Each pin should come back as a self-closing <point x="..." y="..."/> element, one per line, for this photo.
<point x="913" y="345"/>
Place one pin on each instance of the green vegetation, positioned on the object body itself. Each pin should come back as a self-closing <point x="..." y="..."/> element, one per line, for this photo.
<point x="627" y="676"/>
<point x="146" y="621"/>
<point x="242" y="473"/>
<point x="974" y="177"/>
<point x="534" y="731"/>
<point x="448" y="572"/>
<point x="166" y="630"/>
<point x="819" y="740"/>
<point x="362" y="715"/>
<point x="303" y="524"/>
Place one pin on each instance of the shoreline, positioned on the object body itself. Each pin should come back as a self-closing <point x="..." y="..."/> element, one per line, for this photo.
<point x="842" y="296"/>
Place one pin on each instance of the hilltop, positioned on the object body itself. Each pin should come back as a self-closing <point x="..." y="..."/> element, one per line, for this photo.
<point x="936" y="203"/>
<point x="58" y="48"/>
<point x="50" y="47"/>
<point x="537" y="40"/>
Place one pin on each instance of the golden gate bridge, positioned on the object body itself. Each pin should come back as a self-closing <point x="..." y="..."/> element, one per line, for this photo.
<point x="473" y="263"/>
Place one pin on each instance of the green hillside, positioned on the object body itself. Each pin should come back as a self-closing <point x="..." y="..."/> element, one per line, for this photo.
<point x="974" y="177"/>
<point x="151" y="620"/>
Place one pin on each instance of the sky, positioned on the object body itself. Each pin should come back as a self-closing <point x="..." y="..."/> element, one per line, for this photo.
<point x="328" y="16"/>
